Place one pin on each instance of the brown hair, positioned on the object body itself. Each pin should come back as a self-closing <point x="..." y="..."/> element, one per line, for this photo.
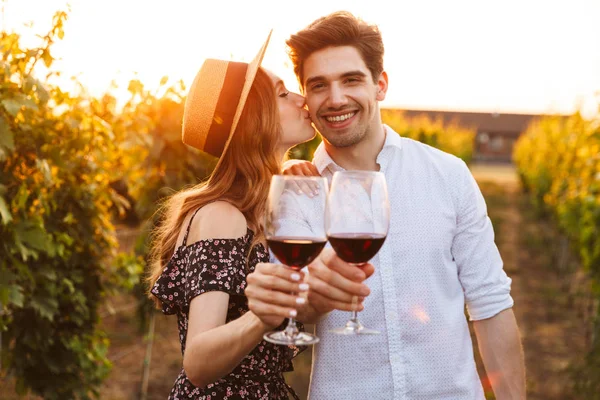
<point x="242" y="178"/>
<point x="340" y="28"/>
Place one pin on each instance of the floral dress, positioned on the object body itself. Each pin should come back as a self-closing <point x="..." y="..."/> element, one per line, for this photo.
<point x="220" y="265"/>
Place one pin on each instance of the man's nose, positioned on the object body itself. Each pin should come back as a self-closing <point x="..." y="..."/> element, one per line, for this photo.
<point x="337" y="97"/>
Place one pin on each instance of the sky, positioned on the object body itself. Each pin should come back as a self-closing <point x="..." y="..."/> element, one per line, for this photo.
<point x="524" y="56"/>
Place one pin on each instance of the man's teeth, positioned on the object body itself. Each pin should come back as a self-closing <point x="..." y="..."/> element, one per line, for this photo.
<point x="339" y="118"/>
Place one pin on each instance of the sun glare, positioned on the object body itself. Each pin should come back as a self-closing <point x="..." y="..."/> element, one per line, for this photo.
<point x="439" y="55"/>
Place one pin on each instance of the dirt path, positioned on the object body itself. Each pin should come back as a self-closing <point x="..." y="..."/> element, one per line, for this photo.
<point x="550" y="300"/>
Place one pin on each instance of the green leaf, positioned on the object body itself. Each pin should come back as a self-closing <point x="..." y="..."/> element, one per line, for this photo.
<point x="12" y="106"/>
<point x="4" y="212"/>
<point x="44" y="168"/>
<point x="15" y="296"/>
<point x="6" y="68"/>
<point x="29" y="103"/>
<point x="47" y="273"/>
<point x="41" y="91"/>
<point x="4" y="297"/>
<point x="24" y="251"/>
<point x="47" y="58"/>
<point x="46" y="306"/>
<point x="34" y="237"/>
<point x="69" y="219"/>
<point x="21" y="197"/>
<point x="6" y="276"/>
<point x="69" y="284"/>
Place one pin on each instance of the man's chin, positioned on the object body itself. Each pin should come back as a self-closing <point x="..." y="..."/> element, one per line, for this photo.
<point x="339" y="142"/>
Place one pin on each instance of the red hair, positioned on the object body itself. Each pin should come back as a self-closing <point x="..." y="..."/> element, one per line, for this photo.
<point x="242" y="178"/>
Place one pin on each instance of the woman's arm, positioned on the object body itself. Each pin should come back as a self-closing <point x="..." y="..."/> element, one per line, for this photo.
<point x="214" y="348"/>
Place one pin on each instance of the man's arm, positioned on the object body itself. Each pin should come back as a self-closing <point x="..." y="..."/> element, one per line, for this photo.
<point x="500" y="347"/>
<point x="487" y="292"/>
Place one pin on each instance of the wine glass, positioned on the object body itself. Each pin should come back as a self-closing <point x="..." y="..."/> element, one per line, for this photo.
<point x="357" y="222"/>
<point x="295" y="233"/>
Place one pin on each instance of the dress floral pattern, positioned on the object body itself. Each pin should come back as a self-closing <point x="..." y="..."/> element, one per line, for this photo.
<point x="220" y="265"/>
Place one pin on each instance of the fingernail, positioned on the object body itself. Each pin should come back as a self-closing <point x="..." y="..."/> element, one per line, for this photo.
<point x="293" y="313"/>
<point x="365" y="291"/>
<point x="316" y="192"/>
<point x="295" y="276"/>
<point x="299" y="191"/>
<point x="303" y="287"/>
<point x="300" y="300"/>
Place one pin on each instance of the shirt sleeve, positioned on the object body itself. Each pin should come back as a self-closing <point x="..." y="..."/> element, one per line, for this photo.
<point x="480" y="268"/>
<point x="205" y="266"/>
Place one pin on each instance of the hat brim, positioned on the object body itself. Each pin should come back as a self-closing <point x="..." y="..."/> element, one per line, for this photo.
<point x="253" y="67"/>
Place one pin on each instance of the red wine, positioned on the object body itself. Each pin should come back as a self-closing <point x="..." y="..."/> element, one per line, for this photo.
<point x="356" y="247"/>
<point x="295" y="252"/>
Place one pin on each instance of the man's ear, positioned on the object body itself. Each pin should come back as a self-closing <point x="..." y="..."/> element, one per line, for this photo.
<point x="382" y="86"/>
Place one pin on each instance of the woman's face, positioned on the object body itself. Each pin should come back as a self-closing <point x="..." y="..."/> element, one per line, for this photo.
<point x="296" y="125"/>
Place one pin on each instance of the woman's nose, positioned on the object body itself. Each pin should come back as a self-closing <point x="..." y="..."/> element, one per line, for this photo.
<point x="300" y="101"/>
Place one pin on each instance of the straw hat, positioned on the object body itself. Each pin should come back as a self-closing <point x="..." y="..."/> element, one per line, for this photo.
<point x="216" y="100"/>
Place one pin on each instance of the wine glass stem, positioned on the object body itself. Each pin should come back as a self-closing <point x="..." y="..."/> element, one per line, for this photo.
<point x="354" y="317"/>
<point x="291" y="330"/>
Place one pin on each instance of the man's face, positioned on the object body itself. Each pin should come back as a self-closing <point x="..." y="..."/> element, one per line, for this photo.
<point x="341" y="95"/>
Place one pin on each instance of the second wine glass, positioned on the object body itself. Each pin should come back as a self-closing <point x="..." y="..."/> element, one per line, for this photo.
<point x="295" y="233"/>
<point x="357" y="223"/>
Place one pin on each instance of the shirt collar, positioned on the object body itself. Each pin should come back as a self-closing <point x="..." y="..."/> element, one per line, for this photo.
<point x="322" y="160"/>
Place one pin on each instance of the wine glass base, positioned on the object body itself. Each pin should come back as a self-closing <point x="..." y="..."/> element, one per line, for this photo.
<point x="300" y="339"/>
<point x="354" y="327"/>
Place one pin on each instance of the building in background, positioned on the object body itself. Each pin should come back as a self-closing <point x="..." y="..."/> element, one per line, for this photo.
<point x="496" y="132"/>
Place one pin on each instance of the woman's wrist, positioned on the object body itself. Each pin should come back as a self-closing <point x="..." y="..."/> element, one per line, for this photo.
<point x="258" y="324"/>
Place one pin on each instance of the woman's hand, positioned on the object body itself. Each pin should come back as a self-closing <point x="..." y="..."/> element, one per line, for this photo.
<point x="270" y="293"/>
<point x="302" y="168"/>
<point x="299" y="168"/>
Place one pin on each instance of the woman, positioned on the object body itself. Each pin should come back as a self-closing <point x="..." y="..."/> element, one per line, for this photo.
<point x="211" y="236"/>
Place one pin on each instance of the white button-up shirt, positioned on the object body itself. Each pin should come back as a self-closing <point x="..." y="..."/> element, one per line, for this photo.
<point x="438" y="256"/>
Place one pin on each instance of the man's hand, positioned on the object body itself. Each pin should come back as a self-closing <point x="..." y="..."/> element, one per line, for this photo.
<point x="336" y="284"/>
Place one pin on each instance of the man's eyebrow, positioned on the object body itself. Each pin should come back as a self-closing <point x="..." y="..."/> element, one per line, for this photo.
<point x="317" y="78"/>
<point x="354" y="73"/>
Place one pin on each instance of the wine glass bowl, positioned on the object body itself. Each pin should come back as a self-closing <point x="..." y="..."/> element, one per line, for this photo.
<point x="295" y="234"/>
<point x="357" y="223"/>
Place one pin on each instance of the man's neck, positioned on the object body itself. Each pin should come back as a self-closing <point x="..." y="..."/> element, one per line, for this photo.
<point x="361" y="156"/>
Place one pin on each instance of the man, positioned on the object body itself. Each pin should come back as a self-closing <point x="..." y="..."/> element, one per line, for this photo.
<point x="439" y="254"/>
